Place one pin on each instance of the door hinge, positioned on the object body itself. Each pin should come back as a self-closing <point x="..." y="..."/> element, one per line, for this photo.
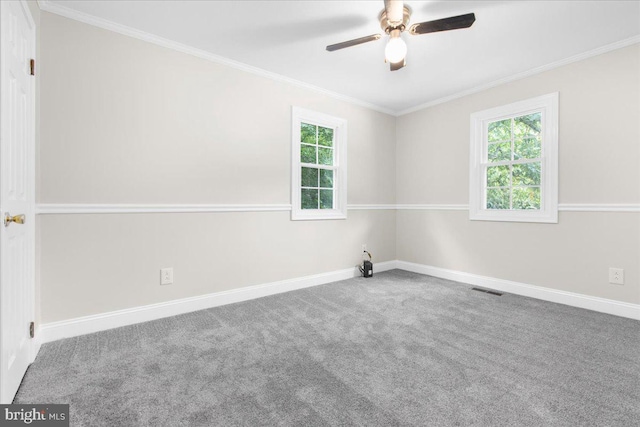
<point x="32" y="329"/>
<point x="32" y="64"/>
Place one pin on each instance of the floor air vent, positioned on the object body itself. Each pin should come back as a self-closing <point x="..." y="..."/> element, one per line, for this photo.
<point x="487" y="291"/>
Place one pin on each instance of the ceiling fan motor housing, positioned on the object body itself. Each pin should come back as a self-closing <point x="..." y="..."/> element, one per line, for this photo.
<point x="387" y="26"/>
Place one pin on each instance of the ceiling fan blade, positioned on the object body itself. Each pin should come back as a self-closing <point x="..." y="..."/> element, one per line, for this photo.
<point x="353" y="42"/>
<point x="394" y="10"/>
<point x="394" y="66"/>
<point x="446" y="24"/>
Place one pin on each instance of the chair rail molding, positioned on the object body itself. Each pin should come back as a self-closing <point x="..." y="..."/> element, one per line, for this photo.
<point x="118" y="208"/>
<point x="82" y="208"/>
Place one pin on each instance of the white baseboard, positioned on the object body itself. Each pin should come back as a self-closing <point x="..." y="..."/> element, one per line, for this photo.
<point x="85" y="325"/>
<point x="602" y="305"/>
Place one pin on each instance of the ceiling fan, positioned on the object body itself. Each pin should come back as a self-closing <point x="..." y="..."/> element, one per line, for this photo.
<point x="394" y="19"/>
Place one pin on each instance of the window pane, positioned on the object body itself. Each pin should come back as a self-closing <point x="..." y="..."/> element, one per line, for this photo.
<point x="526" y="198"/>
<point x="526" y="174"/>
<point x="498" y="198"/>
<point x="308" y="154"/>
<point x="326" y="178"/>
<point x="309" y="177"/>
<point x="528" y="148"/>
<point x="325" y="156"/>
<point x="500" y="131"/>
<point x="309" y="199"/>
<point x="497" y="176"/>
<point x="325" y="136"/>
<point x="326" y="199"/>
<point x="499" y="152"/>
<point x="308" y="133"/>
<point x="529" y="125"/>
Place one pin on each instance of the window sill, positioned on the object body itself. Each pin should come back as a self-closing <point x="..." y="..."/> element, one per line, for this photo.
<point x="317" y="214"/>
<point x="549" y="217"/>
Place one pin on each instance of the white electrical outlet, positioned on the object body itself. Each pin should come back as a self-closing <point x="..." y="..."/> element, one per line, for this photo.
<point x="616" y="276"/>
<point x="364" y="247"/>
<point x="166" y="276"/>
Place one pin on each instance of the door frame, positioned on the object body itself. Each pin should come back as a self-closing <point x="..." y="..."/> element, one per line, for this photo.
<point x="6" y="396"/>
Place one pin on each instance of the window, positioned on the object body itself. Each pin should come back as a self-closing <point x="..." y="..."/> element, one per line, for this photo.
<point x="319" y="176"/>
<point x="514" y="162"/>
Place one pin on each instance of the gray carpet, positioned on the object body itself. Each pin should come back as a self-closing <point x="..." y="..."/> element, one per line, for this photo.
<point x="397" y="349"/>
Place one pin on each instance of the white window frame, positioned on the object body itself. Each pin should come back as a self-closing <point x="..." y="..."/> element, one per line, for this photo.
<point x="547" y="105"/>
<point x="339" y="126"/>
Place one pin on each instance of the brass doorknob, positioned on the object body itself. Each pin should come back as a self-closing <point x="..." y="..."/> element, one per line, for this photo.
<point x="8" y="219"/>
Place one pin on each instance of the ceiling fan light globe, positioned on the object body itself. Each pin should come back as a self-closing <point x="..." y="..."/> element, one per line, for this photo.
<point x="396" y="50"/>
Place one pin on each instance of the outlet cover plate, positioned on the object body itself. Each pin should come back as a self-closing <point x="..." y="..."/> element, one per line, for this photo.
<point x="616" y="276"/>
<point x="166" y="276"/>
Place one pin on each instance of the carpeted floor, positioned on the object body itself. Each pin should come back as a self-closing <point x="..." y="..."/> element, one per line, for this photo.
<point x="397" y="349"/>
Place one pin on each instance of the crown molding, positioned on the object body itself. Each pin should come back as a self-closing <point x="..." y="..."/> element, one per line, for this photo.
<point x="579" y="57"/>
<point x="67" y="12"/>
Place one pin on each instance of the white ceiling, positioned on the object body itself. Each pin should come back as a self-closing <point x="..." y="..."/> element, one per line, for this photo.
<point x="288" y="38"/>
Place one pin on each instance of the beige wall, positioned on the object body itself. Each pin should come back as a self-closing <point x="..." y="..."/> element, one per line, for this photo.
<point x="99" y="263"/>
<point x="131" y="122"/>
<point x="599" y="163"/>
<point x="125" y="121"/>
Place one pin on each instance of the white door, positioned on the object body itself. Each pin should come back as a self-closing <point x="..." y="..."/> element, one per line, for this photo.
<point x="17" y="196"/>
